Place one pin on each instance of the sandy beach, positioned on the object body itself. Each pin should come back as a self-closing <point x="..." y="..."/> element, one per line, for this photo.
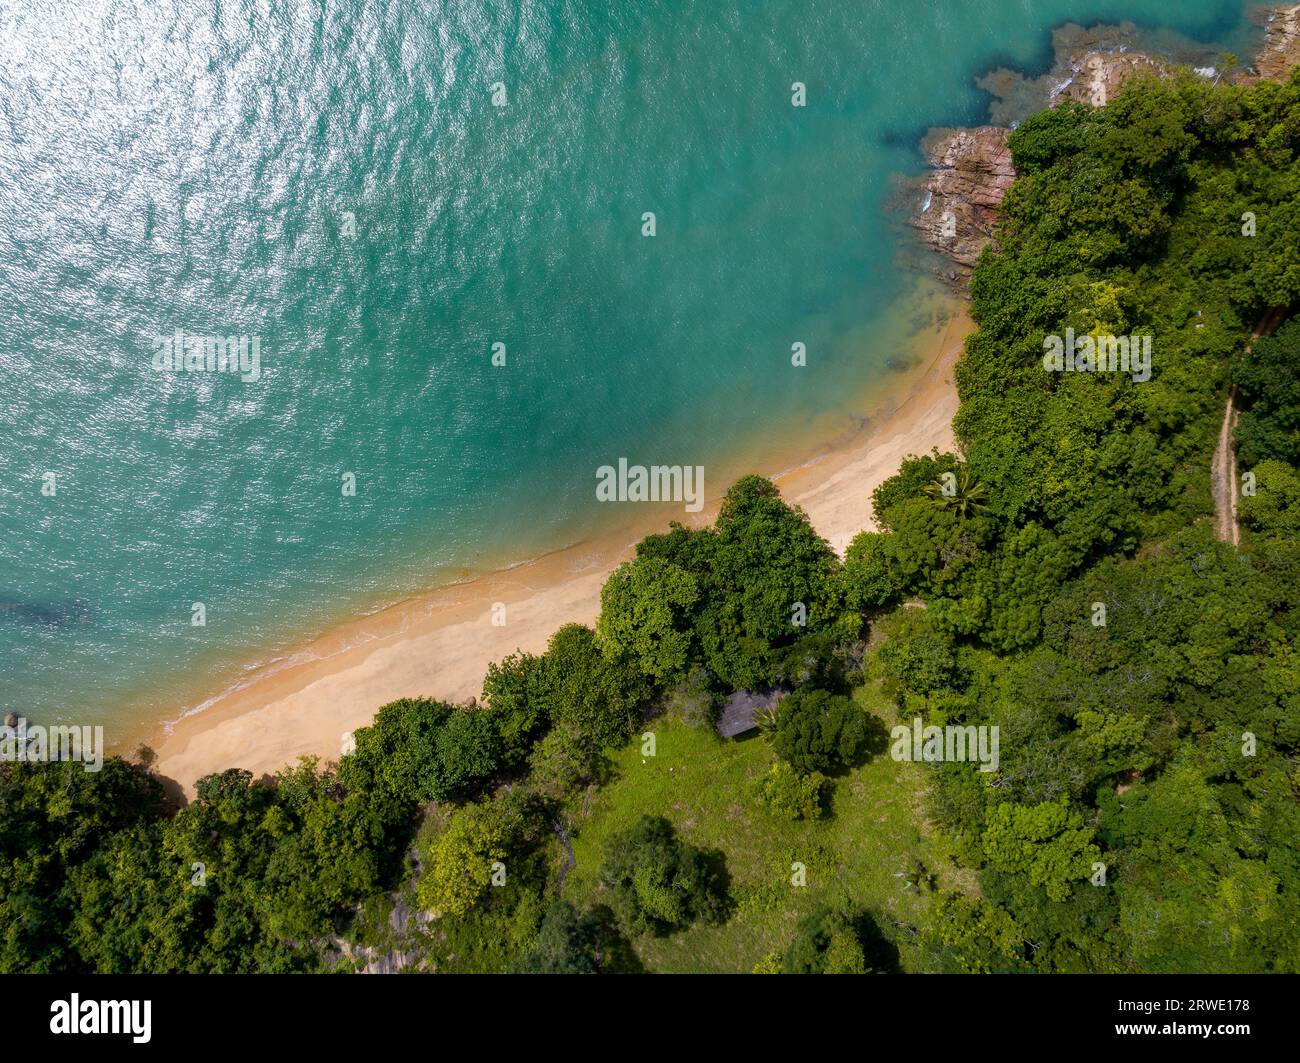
<point x="439" y="644"/>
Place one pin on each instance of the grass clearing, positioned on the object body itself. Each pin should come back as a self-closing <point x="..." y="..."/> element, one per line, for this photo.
<point x="705" y="786"/>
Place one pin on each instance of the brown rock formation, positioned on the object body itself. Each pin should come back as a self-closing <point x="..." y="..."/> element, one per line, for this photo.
<point x="972" y="172"/>
<point x="1095" y="77"/>
<point x="1281" y="49"/>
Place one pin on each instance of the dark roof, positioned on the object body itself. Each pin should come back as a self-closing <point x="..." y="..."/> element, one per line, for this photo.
<point x="738" y="711"/>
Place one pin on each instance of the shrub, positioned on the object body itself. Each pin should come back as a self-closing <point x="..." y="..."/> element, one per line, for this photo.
<point x="819" y="731"/>
<point x="514" y="694"/>
<point x="868" y="578"/>
<point x="564" y="761"/>
<point x="646" y="615"/>
<point x="589" y="691"/>
<point x="694" y="700"/>
<point x="469" y="747"/>
<point x="659" y="883"/>
<point x="827" y="942"/>
<point x="396" y="755"/>
<point x="1274" y="509"/>
<point x="787" y="793"/>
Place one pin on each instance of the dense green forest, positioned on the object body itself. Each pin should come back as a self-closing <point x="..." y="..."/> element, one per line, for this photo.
<point x="1059" y="579"/>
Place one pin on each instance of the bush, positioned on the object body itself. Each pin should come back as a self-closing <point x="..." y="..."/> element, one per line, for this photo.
<point x="767" y="567"/>
<point x="469" y="747"/>
<point x="1268" y="391"/>
<point x="564" y="761"/>
<point x="590" y="692"/>
<point x="458" y="861"/>
<point x="1274" y="509"/>
<point x="396" y="755"/>
<point x="827" y="942"/>
<point x="419" y="749"/>
<point x="694" y="700"/>
<point x="868" y="578"/>
<point x="819" y="731"/>
<point x="659" y="883"/>
<point x="787" y="793"/>
<point x="914" y="475"/>
<point x="514" y="694"/>
<point x="920" y="659"/>
<point x="646" y="615"/>
<point x="568" y="942"/>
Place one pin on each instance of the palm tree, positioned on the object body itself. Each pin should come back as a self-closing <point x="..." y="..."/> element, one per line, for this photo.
<point x="917" y="877"/>
<point x="959" y="491"/>
<point x="766" y="719"/>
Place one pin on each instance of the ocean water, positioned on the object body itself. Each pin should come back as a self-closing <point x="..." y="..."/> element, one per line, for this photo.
<point x="335" y="181"/>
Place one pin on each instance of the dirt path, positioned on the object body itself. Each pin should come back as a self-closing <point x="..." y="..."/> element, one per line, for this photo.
<point x="1223" y="480"/>
<point x="1223" y="468"/>
<point x="571" y="861"/>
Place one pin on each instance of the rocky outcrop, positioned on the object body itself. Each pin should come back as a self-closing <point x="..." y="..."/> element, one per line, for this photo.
<point x="956" y="202"/>
<point x="1281" y="49"/>
<point x="1095" y="77"/>
<point x="971" y="172"/>
<point x="403" y="953"/>
<point x="1090" y="65"/>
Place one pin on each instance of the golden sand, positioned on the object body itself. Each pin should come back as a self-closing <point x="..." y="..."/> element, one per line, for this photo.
<point x="439" y="644"/>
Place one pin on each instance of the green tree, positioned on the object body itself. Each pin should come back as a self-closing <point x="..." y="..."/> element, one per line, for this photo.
<point x="568" y="942"/>
<point x="659" y="883"/>
<point x="589" y="691"/>
<point x="514" y="693"/>
<point x="1046" y="842"/>
<point x="829" y="941"/>
<point x="646" y="614"/>
<point x="459" y="863"/>
<point x="1274" y="509"/>
<point x="960" y="491"/>
<point x="397" y="754"/>
<point x="791" y="795"/>
<point x="817" y="731"/>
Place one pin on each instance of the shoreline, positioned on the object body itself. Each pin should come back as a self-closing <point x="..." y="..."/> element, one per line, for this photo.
<point x="439" y="643"/>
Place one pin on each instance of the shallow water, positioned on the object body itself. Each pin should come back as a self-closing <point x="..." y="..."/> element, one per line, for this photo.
<point x="342" y="188"/>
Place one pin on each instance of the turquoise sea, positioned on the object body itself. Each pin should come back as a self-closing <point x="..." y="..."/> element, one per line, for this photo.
<point x="334" y="179"/>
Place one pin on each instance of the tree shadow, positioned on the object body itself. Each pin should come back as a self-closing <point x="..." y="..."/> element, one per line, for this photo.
<point x="715" y="860"/>
<point x="880" y="953"/>
<point x="877" y="740"/>
<point x="614" y="950"/>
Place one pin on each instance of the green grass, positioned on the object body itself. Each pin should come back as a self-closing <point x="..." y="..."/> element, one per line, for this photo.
<point x="705" y="786"/>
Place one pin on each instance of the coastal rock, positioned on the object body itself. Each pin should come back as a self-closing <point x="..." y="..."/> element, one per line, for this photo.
<point x="957" y="201"/>
<point x="11" y="719"/>
<point x="960" y="196"/>
<point x="971" y="168"/>
<point x="1090" y="65"/>
<point x="1095" y="77"/>
<point x="1281" y="49"/>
